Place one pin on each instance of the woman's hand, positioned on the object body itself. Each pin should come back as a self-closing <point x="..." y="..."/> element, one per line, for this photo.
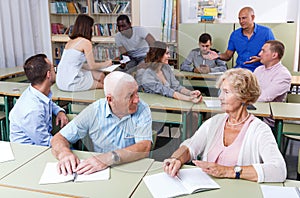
<point x="215" y="170"/>
<point x="171" y="166"/>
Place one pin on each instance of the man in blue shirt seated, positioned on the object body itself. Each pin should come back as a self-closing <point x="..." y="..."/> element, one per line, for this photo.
<point x="247" y="41"/>
<point x="31" y="116"/>
<point x="195" y="61"/>
<point x="119" y="126"/>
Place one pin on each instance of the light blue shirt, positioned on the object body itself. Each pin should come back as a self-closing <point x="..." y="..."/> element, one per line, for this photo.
<point x="106" y="131"/>
<point x="31" y="118"/>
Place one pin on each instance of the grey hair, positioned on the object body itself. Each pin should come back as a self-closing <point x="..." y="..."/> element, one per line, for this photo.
<point x="115" y="81"/>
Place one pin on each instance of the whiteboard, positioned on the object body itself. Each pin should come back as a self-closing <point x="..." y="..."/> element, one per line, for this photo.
<point x="266" y="11"/>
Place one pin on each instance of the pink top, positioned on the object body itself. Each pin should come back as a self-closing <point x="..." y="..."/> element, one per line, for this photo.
<point x="227" y="155"/>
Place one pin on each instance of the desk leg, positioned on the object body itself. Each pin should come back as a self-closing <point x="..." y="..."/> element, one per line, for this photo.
<point x="184" y="127"/>
<point x="6" y="109"/>
<point x="200" y="118"/>
<point x="279" y="128"/>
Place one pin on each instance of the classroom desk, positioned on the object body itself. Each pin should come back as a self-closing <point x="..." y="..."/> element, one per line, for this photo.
<point x="162" y="103"/>
<point x="10" y="90"/>
<point x="207" y="87"/>
<point x="123" y="181"/>
<point x="88" y="96"/>
<point x="23" y="154"/>
<point x="193" y="75"/>
<point x="284" y="111"/>
<point x="295" y="83"/>
<point x="262" y="109"/>
<point x="11" y="191"/>
<point x="10" y="72"/>
<point x="229" y="187"/>
<point x="292" y="183"/>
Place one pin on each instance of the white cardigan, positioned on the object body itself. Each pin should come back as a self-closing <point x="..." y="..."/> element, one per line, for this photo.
<point x="259" y="148"/>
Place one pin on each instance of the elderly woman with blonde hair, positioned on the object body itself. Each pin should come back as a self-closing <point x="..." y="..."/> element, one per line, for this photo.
<point x="234" y="144"/>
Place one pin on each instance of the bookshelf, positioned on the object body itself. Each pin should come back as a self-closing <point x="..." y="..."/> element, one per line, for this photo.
<point x="63" y="14"/>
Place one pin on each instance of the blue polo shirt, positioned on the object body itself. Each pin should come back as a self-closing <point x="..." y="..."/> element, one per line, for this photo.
<point x="246" y="48"/>
<point x="106" y="131"/>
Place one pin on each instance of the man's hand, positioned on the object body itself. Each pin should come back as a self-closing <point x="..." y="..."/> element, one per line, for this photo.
<point x="253" y="59"/>
<point x="204" y="69"/>
<point x="212" y="55"/>
<point x="94" y="164"/>
<point x="67" y="163"/>
<point x="61" y="119"/>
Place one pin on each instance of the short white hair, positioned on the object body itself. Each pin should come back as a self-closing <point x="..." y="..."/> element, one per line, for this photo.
<point x="115" y="81"/>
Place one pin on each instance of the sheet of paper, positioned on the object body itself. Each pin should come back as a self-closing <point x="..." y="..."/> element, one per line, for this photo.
<point x="212" y="103"/>
<point x="100" y="175"/>
<point x="51" y="176"/>
<point x="279" y="191"/>
<point x="110" y="68"/>
<point x="125" y="59"/>
<point x="6" y="153"/>
<point x="216" y="73"/>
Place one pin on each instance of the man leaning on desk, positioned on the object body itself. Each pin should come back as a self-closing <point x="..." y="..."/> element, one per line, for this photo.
<point x="119" y="126"/>
<point x="195" y="62"/>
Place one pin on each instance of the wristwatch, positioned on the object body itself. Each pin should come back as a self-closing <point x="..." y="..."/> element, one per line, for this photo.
<point x="238" y="171"/>
<point x="115" y="157"/>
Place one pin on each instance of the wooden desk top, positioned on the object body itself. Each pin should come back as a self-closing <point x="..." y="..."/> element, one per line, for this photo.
<point x="189" y="75"/>
<point x="123" y="181"/>
<point x="285" y="111"/>
<point x="229" y="187"/>
<point x="11" y="71"/>
<point x="295" y="80"/>
<point x="262" y="108"/>
<point x="156" y="101"/>
<point x="22" y="153"/>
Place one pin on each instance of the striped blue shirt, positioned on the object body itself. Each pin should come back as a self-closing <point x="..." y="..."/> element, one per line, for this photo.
<point x="106" y="131"/>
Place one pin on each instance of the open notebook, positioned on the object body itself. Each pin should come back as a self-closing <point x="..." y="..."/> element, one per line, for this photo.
<point x="280" y="191"/>
<point x="212" y="103"/>
<point x="50" y="175"/>
<point x="188" y="181"/>
<point x="6" y="153"/>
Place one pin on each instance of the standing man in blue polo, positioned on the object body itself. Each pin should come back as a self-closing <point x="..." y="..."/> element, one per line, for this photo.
<point x="247" y="41"/>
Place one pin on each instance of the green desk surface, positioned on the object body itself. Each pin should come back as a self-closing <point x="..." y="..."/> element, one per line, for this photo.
<point x="285" y="111"/>
<point x="88" y="96"/>
<point x="199" y="83"/>
<point x="156" y="101"/>
<point x="23" y="154"/>
<point x="11" y="191"/>
<point x="292" y="183"/>
<point x="11" y="71"/>
<point x="123" y="181"/>
<point x="262" y="108"/>
<point x="230" y="188"/>
<point x="190" y="75"/>
<point x="12" y="88"/>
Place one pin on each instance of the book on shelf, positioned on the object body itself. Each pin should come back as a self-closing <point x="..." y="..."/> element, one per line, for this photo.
<point x="71" y="8"/>
<point x="126" y="7"/>
<point x="51" y="176"/>
<point x="188" y="181"/>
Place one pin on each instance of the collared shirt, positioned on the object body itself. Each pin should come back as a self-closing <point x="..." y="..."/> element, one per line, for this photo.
<point x="246" y="48"/>
<point x="31" y="118"/>
<point x="274" y="84"/>
<point x="148" y="80"/>
<point x="106" y="131"/>
<point x="195" y="59"/>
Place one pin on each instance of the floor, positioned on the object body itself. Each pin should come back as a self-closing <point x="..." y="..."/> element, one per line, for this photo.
<point x="165" y="146"/>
